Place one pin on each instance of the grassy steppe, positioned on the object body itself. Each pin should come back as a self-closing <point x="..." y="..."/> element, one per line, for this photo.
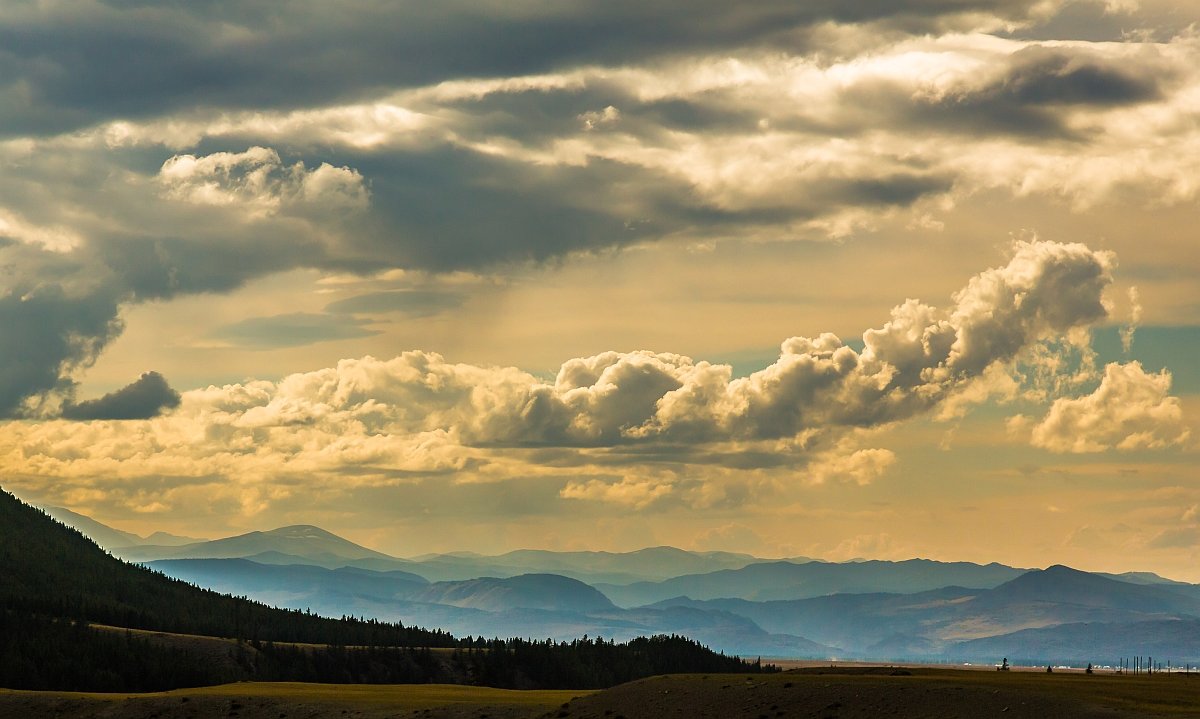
<point x="824" y="693"/>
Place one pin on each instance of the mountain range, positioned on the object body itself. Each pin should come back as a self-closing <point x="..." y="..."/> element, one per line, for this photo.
<point x="108" y="537"/>
<point x="916" y="609"/>
<point x="75" y="618"/>
<point x="305" y="544"/>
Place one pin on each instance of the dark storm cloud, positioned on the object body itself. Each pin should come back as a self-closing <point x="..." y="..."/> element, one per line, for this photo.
<point x="146" y="397"/>
<point x="1050" y="76"/>
<point x="45" y="333"/>
<point x="449" y="208"/>
<point x="540" y="113"/>
<point x="206" y="261"/>
<point x="1039" y="84"/>
<point x="291" y="330"/>
<point x="1030" y="98"/>
<point x="73" y="65"/>
<point x="895" y="189"/>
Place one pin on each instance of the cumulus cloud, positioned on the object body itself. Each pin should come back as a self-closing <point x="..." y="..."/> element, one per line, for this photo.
<point x="258" y="179"/>
<point x="159" y="169"/>
<point x="146" y="397"/>
<point x="1135" y="318"/>
<point x="860" y="467"/>
<point x="1131" y="409"/>
<point x="593" y="119"/>
<point x="372" y="421"/>
<point x="210" y="145"/>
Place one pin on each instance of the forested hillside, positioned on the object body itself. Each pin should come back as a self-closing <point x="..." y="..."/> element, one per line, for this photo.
<point x="55" y="584"/>
<point x="51" y="569"/>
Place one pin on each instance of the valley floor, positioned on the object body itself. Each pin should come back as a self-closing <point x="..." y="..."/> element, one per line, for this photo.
<point x="824" y="693"/>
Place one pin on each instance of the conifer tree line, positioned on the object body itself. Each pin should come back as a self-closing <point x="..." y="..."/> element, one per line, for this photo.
<point x="55" y="584"/>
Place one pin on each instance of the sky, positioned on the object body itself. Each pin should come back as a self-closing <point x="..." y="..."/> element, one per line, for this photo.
<point x="844" y="279"/>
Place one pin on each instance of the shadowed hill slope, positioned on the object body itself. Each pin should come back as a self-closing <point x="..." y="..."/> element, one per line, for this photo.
<point x="56" y="585"/>
<point x="53" y="570"/>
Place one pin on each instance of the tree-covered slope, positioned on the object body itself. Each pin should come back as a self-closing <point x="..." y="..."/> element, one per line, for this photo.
<point x="51" y="569"/>
<point x="55" y="583"/>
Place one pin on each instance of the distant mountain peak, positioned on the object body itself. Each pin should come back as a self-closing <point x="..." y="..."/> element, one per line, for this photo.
<point x="302" y="531"/>
<point x="1063" y="569"/>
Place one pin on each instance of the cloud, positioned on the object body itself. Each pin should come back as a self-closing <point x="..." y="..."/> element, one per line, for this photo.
<point x="1042" y="75"/>
<point x="1176" y="538"/>
<point x="593" y="119"/>
<point x="1135" y="318"/>
<point x="258" y="180"/>
<point x="48" y="332"/>
<point x="414" y="303"/>
<point x="291" y="330"/>
<point x="869" y="546"/>
<point x="231" y="159"/>
<point x="146" y="397"/>
<point x="1130" y="410"/>
<point x="642" y="428"/>
<point x="630" y="492"/>
<point x="860" y="467"/>
<point x="173" y="59"/>
<point x="729" y="537"/>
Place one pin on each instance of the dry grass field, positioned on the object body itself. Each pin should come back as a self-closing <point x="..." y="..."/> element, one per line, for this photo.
<point x="925" y="693"/>
<point x="814" y="692"/>
<point x="262" y="700"/>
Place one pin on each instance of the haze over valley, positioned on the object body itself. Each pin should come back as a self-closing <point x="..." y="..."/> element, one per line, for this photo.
<point x="908" y="610"/>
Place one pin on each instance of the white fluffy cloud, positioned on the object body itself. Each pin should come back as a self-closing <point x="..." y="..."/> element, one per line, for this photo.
<point x="371" y="421"/>
<point x="258" y="180"/>
<point x="1131" y="409"/>
<point x="861" y="467"/>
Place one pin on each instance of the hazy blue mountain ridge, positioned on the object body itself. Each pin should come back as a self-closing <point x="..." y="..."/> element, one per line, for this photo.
<point x="108" y="537"/>
<point x="934" y="623"/>
<point x="919" y="609"/>
<point x="789" y="580"/>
